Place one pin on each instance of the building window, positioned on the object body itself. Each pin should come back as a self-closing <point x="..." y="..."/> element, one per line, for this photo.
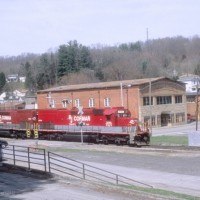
<point x="52" y="104"/>
<point x="191" y="99"/>
<point x="180" y="117"/>
<point x="146" y="101"/>
<point x="178" y="99"/>
<point x="77" y="103"/>
<point x="64" y="104"/>
<point x="148" y="121"/>
<point x="91" y="103"/>
<point x="193" y="89"/>
<point x="164" y="100"/>
<point x="107" y="102"/>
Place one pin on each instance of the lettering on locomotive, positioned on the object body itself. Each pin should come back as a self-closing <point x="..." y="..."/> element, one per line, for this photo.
<point x="78" y="118"/>
<point x="5" y="117"/>
<point x="82" y="118"/>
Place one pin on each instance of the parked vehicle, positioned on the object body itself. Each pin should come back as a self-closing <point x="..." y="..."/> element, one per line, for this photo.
<point x="3" y="144"/>
<point x="105" y="125"/>
<point x="191" y="118"/>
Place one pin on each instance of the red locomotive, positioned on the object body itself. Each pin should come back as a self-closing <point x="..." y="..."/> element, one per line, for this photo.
<point x="106" y="125"/>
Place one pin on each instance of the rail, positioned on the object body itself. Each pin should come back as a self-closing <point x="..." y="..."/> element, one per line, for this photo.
<point x="30" y="157"/>
<point x="39" y="159"/>
<point x="67" y="166"/>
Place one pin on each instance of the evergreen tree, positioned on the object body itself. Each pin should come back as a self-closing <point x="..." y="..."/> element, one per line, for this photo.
<point x="2" y="81"/>
<point x="73" y="57"/>
<point x="30" y="82"/>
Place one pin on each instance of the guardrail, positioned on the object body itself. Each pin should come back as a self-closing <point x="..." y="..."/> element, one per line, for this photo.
<point x="30" y="157"/>
<point x="67" y="166"/>
<point x="36" y="158"/>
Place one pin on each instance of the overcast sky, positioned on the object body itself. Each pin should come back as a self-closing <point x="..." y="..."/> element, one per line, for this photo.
<point x="35" y="26"/>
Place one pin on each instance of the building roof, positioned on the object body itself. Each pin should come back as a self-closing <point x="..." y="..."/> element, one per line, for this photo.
<point x="188" y="77"/>
<point x="135" y="82"/>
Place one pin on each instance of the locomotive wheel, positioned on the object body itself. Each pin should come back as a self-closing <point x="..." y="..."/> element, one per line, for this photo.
<point x="117" y="141"/>
<point x="97" y="140"/>
<point x="105" y="140"/>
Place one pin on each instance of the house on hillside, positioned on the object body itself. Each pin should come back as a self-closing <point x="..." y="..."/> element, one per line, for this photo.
<point x="15" y="78"/>
<point x="16" y="96"/>
<point x="192" y="83"/>
<point x="12" y="78"/>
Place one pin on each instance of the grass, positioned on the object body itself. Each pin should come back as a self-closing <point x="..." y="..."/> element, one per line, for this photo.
<point x="169" y="140"/>
<point x="165" y="193"/>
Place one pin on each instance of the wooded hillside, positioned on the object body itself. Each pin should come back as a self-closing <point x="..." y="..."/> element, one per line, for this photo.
<point x="74" y="63"/>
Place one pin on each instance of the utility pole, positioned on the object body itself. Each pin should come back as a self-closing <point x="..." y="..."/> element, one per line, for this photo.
<point x="197" y="106"/>
<point x="147" y="35"/>
<point x="121" y="94"/>
<point x="150" y="105"/>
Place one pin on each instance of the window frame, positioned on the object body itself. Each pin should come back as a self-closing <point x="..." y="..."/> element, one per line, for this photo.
<point x="162" y="100"/>
<point x="107" y="102"/>
<point x="178" y="99"/>
<point x="146" y="101"/>
<point x="91" y="103"/>
<point x="77" y="103"/>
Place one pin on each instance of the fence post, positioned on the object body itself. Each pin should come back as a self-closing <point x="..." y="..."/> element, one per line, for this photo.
<point x="1" y="155"/>
<point x="14" y="154"/>
<point x="83" y="171"/>
<point x="49" y="162"/>
<point x="45" y="162"/>
<point x="117" y="179"/>
<point x="29" y="158"/>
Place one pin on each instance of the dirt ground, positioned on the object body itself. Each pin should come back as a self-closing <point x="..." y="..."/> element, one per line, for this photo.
<point x="171" y="169"/>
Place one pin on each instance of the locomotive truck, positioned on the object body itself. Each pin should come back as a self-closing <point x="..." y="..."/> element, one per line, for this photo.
<point x="95" y="125"/>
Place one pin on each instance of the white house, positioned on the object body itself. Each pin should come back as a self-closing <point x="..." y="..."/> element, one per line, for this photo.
<point x="192" y="82"/>
<point x="15" y="78"/>
<point x="14" y="96"/>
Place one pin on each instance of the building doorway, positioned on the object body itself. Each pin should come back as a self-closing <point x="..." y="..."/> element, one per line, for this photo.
<point x="165" y="118"/>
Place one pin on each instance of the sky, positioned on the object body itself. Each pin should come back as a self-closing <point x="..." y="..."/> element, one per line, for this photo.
<point x="39" y="26"/>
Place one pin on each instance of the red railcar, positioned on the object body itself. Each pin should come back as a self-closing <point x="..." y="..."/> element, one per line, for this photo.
<point x="107" y="125"/>
<point x="16" y="122"/>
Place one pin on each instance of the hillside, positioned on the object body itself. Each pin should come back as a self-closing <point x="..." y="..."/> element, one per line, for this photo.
<point x="74" y="63"/>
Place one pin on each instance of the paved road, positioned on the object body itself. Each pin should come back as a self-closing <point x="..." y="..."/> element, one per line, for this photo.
<point x="175" y="130"/>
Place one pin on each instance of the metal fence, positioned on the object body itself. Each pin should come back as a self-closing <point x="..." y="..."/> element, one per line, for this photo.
<point x="37" y="158"/>
<point x="66" y="166"/>
<point x="30" y="157"/>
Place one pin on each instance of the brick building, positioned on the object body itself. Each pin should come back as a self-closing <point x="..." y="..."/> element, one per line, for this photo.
<point x="160" y="101"/>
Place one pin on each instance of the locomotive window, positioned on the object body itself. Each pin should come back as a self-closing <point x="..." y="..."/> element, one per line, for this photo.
<point x="98" y="112"/>
<point x="122" y="115"/>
